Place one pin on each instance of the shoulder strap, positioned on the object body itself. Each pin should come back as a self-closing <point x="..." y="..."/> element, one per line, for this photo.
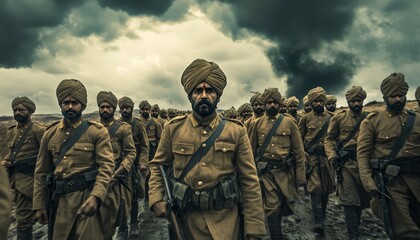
<point x="269" y="136"/>
<point x="149" y="124"/>
<point x="19" y="144"/>
<point x="114" y="128"/>
<point x="203" y="149"/>
<point x="353" y="132"/>
<point x="71" y="140"/>
<point x="319" y="134"/>
<point x="405" y="132"/>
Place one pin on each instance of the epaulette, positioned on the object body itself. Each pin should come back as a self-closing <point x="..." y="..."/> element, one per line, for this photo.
<point x="235" y="121"/>
<point x="123" y="123"/>
<point x="372" y="114"/>
<point x="97" y="124"/>
<point x="177" y="119"/>
<point x="341" y="111"/>
<point x="52" y="124"/>
<point x="13" y="126"/>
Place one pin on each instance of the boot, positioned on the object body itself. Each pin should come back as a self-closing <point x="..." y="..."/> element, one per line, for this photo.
<point x="318" y="213"/>
<point x="352" y="221"/>
<point x="134" y="229"/>
<point x="324" y="201"/>
<point x="122" y="233"/>
<point x="24" y="234"/>
<point x="274" y="226"/>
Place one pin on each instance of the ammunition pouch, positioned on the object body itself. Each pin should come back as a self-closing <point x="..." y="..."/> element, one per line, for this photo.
<point x="79" y="182"/>
<point x="284" y="163"/>
<point x="317" y="151"/>
<point x="25" y="166"/>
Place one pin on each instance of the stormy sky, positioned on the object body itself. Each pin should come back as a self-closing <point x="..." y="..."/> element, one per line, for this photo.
<point x="140" y="48"/>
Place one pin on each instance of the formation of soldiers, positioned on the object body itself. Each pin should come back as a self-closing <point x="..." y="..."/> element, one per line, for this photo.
<point x="215" y="176"/>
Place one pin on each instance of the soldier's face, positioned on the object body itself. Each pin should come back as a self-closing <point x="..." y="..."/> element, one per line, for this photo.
<point x="21" y="113"/>
<point x="145" y="112"/>
<point x="246" y="115"/>
<point x="155" y="113"/>
<point x="204" y="99"/>
<point x="272" y="107"/>
<point x="258" y="107"/>
<point x="293" y="109"/>
<point x="318" y="105"/>
<point x="106" y="111"/>
<point x="126" y="111"/>
<point x="356" y="105"/>
<point x="307" y="108"/>
<point x="71" y="108"/>
<point x="163" y="115"/>
<point x="331" y="107"/>
<point x="396" y="102"/>
<point x="283" y="108"/>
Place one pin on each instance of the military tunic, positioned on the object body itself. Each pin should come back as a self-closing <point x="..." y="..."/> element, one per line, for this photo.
<point x="286" y="140"/>
<point x="350" y="190"/>
<point x="23" y="183"/>
<point x="4" y="204"/>
<point x="93" y="149"/>
<point x="378" y="134"/>
<point x="162" y="122"/>
<point x="181" y="137"/>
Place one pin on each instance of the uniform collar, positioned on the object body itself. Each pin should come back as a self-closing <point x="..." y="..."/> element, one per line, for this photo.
<point x="212" y="123"/>
<point x="75" y="125"/>
<point x="24" y="125"/>
<point x="272" y="117"/>
<point x="391" y="114"/>
<point x="108" y="124"/>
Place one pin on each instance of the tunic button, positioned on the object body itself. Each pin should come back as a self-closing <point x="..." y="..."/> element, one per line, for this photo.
<point x="67" y="133"/>
<point x="262" y="135"/>
<point x="85" y="148"/>
<point x="182" y="150"/>
<point x="64" y="174"/>
<point x="224" y="150"/>
<point x="204" y="132"/>
<point x="272" y="145"/>
<point x="386" y="137"/>
<point x="203" y="164"/>
<point x="204" y="145"/>
<point x="320" y="122"/>
<point x="284" y="134"/>
<point x="272" y="155"/>
<point x="64" y="157"/>
<point x="200" y="183"/>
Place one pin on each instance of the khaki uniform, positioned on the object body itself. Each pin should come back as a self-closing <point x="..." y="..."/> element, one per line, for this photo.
<point x="153" y="129"/>
<point x="124" y="154"/>
<point x="162" y="121"/>
<point x="350" y="191"/>
<point x="181" y="137"/>
<point x="91" y="150"/>
<point x="4" y="204"/>
<point x="309" y="126"/>
<point x="247" y="123"/>
<point x="23" y="183"/>
<point x="286" y="140"/>
<point x="378" y="133"/>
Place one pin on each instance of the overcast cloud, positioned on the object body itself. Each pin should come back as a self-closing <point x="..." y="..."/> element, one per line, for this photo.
<point x="140" y="48"/>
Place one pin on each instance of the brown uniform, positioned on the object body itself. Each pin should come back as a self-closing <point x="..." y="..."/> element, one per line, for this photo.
<point x="162" y="121"/>
<point x="22" y="182"/>
<point x="154" y="130"/>
<point x="124" y="154"/>
<point x="378" y="133"/>
<point x="93" y="149"/>
<point x="4" y="204"/>
<point x="285" y="141"/>
<point x="180" y="139"/>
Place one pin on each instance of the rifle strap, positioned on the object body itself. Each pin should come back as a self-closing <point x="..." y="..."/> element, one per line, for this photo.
<point x="149" y="124"/>
<point x="354" y="131"/>
<point x="405" y="132"/>
<point x="71" y="140"/>
<point x="319" y="134"/>
<point x="269" y="136"/>
<point x="203" y="149"/>
<point x="20" y="142"/>
<point x="114" y="128"/>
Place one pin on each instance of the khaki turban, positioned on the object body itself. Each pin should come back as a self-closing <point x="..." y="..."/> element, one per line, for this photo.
<point x="108" y="97"/>
<point x="316" y="93"/>
<point x="200" y="71"/>
<point x="331" y="99"/>
<point x="231" y="112"/>
<point x="73" y="88"/>
<point x="355" y="92"/>
<point x="394" y="84"/>
<point x="257" y="97"/>
<point x="284" y="101"/>
<point x="292" y="100"/>
<point x="155" y="107"/>
<point x="25" y="101"/>
<point x="418" y="93"/>
<point x="271" y="93"/>
<point x="245" y="107"/>
<point x="305" y="100"/>
<point x="125" y="101"/>
<point x="144" y="104"/>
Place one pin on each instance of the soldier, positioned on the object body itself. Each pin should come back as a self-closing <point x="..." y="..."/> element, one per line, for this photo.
<point x="117" y="204"/>
<point x="79" y="155"/>
<point x="4" y="204"/>
<point x="163" y="117"/>
<point x="245" y="112"/>
<point x="153" y="127"/>
<point x="138" y="172"/>
<point x="258" y="106"/>
<point x="331" y="103"/>
<point x="340" y="147"/>
<point x="154" y="111"/>
<point x="231" y="113"/>
<point x="292" y="107"/>
<point x="171" y="113"/>
<point x="313" y="127"/>
<point x="418" y="100"/>
<point x="23" y="143"/>
<point x="280" y="158"/>
<point x="283" y="105"/>
<point x="386" y="135"/>
<point x="213" y="180"/>
<point x="306" y="105"/>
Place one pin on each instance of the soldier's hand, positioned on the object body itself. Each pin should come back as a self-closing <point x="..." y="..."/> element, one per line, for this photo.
<point x="42" y="216"/>
<point x="89" y="207"/>
<point x="6" y="163"/>
<point x="159" y="209"/>
<point x="143" y="167"/>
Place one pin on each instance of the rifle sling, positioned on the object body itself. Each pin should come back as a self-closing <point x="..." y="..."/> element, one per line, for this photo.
<point x="319" y="134"/>
<point x="19" y="144"/>
<point x="114" y="128"/>
<point x="405" y="132"/>
<point x="269" y="136"/>
<point x="149" y="124"/>
<point x="353" y="132"/>
<point x="202" y="150"/>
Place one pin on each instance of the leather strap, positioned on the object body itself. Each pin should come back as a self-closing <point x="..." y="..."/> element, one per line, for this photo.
<point x="19" y="144"/>
<point x="269" y="136"/>
<point x="405" y="132"/>
<point x="353" y="132"/>
<point x="319" y="134"/>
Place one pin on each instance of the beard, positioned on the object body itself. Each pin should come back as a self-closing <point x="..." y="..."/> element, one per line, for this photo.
<point x="308" y="109"/>
<point x="259" y="111"/>
<point x="106" y="115"/>
<point x="204" y="108"/>
<point x="282" y="110"/>
<point x="319" y="109"/>
<point x="273" y="111"/>
<point x="397" y="107"/>
<point x="356" y="109"/>
<point x="293" y="111"/>
<point x="127" y="114"/>
<point x="21" y="119"/>
<point x="331" y="109"/>
<point x="71" y="114"/>
<point x="145" y="114"/>
<point x="155" y="115"/>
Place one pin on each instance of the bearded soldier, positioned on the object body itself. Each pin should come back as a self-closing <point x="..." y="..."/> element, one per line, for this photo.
<point x="79" y="155"/>
<point x="277" y="145"/>
<point x="231" y="113"/>
<point x="313" y="127"/>
<point x="117" y="204"/>
<point x="245" y="112"/>
<point x="153" y="127"/>
<point x="389" y="147"/>
<point x="141" y="142"/>
<point x="154" y="111"/>
<point x="211" y="186"/>
<point x="331" y="103"/>
<point x="306" y="105"/>
<point x="292" y="107"/>
<point x="258" y="107"/>
<point x="4" y="204"/>
<point x="23" y="142"/>
<point x="340" y="147"/>
<point x="418" y="100"/>
<point x="283" y="105"/>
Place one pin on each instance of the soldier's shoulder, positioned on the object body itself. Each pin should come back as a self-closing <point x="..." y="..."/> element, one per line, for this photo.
<point x="236" y="121"/>
<point x="341" y="112"/>
<point x="138" y="120"/>
<point x="372" y="115"/>
<point x="96" y="124"/>
<point x="177" y="119"/>
<point x="11" y="127"/>
<point x="288" y="116"/>
<point x="53" y="124"/>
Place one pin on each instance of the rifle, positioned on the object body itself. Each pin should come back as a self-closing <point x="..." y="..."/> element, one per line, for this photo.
<point x="52" y="204"/>
<point x="342" y="157"/>
<point x="172" y="215"/>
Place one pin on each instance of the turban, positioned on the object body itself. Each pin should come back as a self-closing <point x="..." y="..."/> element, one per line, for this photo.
<point x="271" y="93"/>
<point x="305" y="100"/>
<point x="125" y="101"/>
<point x="171" y="111"/>
<point x="73" y="88"/>
<point x="315" y="93"/>
<point x="394" y="84"/>
<point x="257" y="97"/>
<point x="284" y="101"/>
<point x="164" y="111"/>
<point x="418" y="93"/>
<point x="293" y="100"/>
<point x="108" y="97"/>
<point x="331" y="99"/>
<point x="231" y="112"/>
<point x="25" y="101"/>
<point x="145" y="104"/>
<point x="155" y="107"/>
<point x="245" y="107"/>
<point x="355" y="92"/>
<point x="203" y="71"/>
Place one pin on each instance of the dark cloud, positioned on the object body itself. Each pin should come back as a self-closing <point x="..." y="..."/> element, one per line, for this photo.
<point x="144" y="7"/>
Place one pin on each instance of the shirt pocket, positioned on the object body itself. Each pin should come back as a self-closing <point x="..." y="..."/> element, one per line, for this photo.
<point x="54" y="149"/>
<point x="83" y="153"/>
<point x="386" y="139"/>
<point x="182" y="153"/>
<point x="261" y="137"/>
<point x="223" y="155"/>
<point x="283" y="138"/>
